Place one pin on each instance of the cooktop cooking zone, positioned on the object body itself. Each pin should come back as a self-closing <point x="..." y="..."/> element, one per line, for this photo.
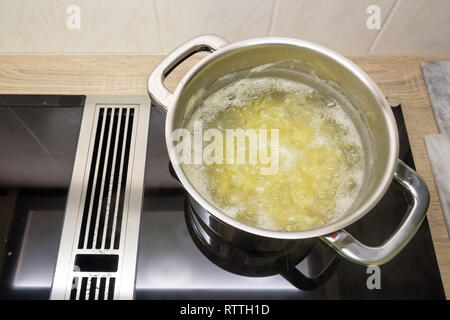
<point x="178" y="255"/>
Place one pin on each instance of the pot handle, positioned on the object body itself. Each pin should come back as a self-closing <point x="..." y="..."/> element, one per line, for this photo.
<point x="303" y="282"/>
<point x="158" y="92"/>
<point x="418" y="197"/>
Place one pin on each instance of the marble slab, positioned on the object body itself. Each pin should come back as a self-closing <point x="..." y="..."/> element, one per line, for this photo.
<point x="438" y="148"/>
<point x="437" y="80"/>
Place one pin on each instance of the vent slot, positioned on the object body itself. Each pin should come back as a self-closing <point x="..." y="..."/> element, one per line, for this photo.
<point x="103" y="207"/>
<point x="97" y="262"/>
<point x="82" y="291"/>
<point x="92" y="288"/>
<point x="102" y="288"/>
<point x="74" y="290"/>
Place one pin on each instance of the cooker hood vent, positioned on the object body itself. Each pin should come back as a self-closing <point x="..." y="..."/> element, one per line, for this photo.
<point x="98" y="249"/>
<point x="92" y="288"/>
<point x="103" y="206"/>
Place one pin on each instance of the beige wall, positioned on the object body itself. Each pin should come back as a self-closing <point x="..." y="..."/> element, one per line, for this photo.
<point x="409" y="27"/>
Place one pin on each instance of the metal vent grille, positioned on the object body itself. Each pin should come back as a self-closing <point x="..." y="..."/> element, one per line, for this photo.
<point x="98" y="250"/>
<point x="92" y="288"/>
<point x="103" y="207"/>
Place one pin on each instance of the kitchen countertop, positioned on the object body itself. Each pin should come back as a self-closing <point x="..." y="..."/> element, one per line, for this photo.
<point x="399" y="78"/>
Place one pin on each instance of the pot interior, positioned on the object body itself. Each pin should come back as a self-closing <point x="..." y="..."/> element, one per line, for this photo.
<point x="326" y="72"/>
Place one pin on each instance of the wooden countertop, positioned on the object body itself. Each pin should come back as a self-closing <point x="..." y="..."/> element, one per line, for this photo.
<point x="399" y="78"/>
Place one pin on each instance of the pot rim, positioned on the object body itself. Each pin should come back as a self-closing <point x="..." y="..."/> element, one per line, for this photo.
<point x="324" y="230"/>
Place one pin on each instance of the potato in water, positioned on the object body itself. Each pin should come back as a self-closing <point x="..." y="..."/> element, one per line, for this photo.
<point x="320" y="162"/>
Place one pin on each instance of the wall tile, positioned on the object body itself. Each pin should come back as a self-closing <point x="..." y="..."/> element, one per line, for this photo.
<point x="413" y="27"/>
<point x="107" y="26"/>
<point x="338" y="24"/>
<point x="24" y="28"/>
<point x="115" y="26"/>
<point x="417" y="27"/>
<point x="232" y="19"/>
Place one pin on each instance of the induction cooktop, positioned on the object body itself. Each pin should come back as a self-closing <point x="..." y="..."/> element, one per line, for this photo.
<point x="38" y="144"/>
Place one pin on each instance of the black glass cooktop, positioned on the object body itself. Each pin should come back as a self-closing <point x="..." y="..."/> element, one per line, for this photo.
<point x="173" y="263"/>
<point x="38" y="136"/>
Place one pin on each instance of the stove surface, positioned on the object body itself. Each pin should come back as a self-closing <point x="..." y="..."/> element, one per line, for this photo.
<point x="172" y="263"/>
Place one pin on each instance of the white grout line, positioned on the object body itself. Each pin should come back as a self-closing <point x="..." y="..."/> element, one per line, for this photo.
<point x="272" y="16"/>
<point x="51" y="27"/>
<point x="384" y="26"/>
<point x="158" y="28"/>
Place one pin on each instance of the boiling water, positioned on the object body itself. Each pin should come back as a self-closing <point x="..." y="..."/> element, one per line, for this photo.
<point x="321" y="162"/>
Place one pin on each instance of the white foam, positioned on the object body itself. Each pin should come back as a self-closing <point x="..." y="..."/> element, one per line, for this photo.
<point x="264" y="220"/>
<point x="241" y="93"/>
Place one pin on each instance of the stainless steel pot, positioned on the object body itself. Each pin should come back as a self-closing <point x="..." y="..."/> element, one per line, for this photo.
<point x="370" y="110"/>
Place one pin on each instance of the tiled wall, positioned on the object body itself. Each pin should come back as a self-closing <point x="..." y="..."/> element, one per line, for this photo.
<point x="408" y="27"/>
